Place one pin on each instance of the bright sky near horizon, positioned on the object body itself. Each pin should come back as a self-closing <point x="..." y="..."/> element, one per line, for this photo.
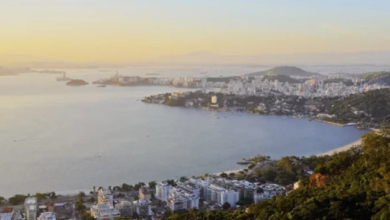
<point x="135" y="30"/>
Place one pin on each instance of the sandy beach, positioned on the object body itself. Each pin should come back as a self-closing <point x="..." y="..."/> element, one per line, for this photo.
<point x="343" y="148"/>
<point x="331" y="152"/>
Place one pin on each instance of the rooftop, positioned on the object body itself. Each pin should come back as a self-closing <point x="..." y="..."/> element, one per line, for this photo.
<point x="7" y="210"/>
<point x="47" y="216"/>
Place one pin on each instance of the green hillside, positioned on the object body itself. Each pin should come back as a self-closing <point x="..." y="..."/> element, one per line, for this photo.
<point x="284" y="70"/>
<point x="382" y="78"/>
<point x="375" y="103"/>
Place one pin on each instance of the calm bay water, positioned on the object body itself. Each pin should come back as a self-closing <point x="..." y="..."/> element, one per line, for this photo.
<point x="59" y="138"/>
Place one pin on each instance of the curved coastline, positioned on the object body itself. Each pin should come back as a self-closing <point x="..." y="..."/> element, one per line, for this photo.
<point x="341" y="149"/>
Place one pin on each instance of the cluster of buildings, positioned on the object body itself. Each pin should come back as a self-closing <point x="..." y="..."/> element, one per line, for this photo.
<point x="31" y="211"/>
<point x="311" y="86"/>
<point x="315" y="87"/>
<point x="214" y="192"/>
<point x="107" y="209"/>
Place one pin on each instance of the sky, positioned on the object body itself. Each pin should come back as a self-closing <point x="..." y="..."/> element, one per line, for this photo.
<point x="140" y="30"/>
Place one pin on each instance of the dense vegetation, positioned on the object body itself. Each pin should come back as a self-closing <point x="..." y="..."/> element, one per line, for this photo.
<point x="371" y="76"/>
<point x="382" y="78"/>
<point x="375" y="103"/>
<point x="349" y="185"/>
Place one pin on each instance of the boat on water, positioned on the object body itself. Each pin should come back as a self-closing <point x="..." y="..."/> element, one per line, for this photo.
<point x="350" y="124"/>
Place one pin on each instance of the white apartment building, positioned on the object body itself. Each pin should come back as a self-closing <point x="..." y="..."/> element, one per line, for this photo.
<point x="143" y="207"/>
<point x="182" y="199"/>
<point x="221" y="195"/>
<point x="103" y="211"/>
<point x="203" y="185"/>
<point x="31" y="208"/>
<point x="162" y="191"/>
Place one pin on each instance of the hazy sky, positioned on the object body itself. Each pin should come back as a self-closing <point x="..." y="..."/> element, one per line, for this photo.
<point x="129" y="30"/>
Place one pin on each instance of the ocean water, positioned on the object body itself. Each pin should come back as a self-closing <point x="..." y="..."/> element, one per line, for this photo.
<point x="59" y="138"/>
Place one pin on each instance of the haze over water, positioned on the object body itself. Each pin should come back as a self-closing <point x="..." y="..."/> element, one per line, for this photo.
<point x="64" y="139"/>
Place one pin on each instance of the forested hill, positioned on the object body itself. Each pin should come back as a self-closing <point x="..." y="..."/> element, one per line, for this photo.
<point x="284" y="70"/>
<point x="375" y="103"/>
<point x="349" y="185"/>
<point x="382" y="78"/>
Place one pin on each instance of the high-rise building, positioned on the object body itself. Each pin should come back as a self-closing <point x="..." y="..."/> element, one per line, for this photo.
<point x="31" y="208"/>
<point x="162" y="191"/>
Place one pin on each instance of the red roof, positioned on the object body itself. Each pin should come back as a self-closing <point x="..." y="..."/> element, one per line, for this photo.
<point x="7" y="210"/>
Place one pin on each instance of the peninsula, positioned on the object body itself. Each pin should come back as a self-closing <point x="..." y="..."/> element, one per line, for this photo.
<point x="353" y="110"/>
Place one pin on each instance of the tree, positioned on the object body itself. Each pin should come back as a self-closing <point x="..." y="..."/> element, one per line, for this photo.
<point x="87" y="216"/>
<point x="17" y="199"/>
<point x="152" y="184"/>
<point x="53" y="195"/>
<point x="2" y="200"/>
<point x="224" y="175"/>
<point x="259" y="190"/>
<point x="80" y="205"/>
<point x="226" y="206"/>
<point x="81" y="194"/>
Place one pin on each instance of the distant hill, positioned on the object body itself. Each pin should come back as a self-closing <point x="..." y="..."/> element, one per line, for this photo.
<point x="382" y="78"/>
<point x="280" y="78"/>
<point x="284" y="70"/>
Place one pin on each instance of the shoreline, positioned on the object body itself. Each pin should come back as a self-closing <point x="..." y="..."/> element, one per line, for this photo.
<point x="341" y="149"/>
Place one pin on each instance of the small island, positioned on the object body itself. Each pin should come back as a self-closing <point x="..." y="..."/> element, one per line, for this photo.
<point x="76" y="82"/>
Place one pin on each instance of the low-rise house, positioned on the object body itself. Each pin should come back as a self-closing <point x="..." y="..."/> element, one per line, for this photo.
<point x="6" y="213"/>
<point x="103" y="211"/>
